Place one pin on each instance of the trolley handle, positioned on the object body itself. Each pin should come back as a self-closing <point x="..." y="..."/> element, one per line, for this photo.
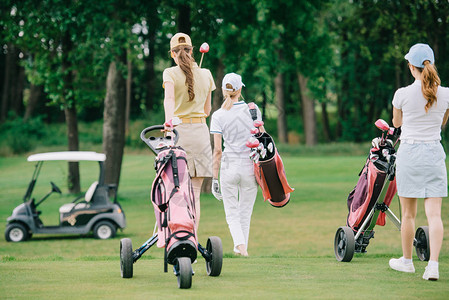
<point x="154" y="142"/>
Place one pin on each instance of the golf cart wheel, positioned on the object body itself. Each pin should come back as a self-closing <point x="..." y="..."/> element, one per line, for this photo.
<point x="126" y="258"/>
<point x="104" y="230"/>
<point x="215" y="248"/>
<point x="184" y="274"/>
<point x="16" y="232"/>
<point x="422" y="243"/>
<point x="344" y="244"/>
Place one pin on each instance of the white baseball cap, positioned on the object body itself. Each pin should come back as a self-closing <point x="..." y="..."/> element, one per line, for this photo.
<point x="418" y="54"/>
<point x="233" y="79"/>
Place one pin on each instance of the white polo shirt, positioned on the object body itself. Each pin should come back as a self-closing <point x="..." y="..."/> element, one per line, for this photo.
<point x="416" y="123"/>
<point x="235" y="125"/>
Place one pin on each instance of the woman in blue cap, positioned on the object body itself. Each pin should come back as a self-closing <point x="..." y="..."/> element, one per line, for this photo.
<point x="421" y="109"/>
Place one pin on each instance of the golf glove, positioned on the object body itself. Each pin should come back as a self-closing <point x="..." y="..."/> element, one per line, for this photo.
<point x="216" y="189"/>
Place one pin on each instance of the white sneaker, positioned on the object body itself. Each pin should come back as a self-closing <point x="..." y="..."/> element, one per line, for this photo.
<point x="399" y="265"/>
<point x="431" y="273"/>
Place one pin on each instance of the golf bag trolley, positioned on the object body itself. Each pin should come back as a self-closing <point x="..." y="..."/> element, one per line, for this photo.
<point x="369" y="201"/>
<point x="174" y="207"/>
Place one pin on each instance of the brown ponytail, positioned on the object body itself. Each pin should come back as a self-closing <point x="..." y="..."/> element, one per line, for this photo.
<point x="430" y="83"/>
<point x="185" y="61"/>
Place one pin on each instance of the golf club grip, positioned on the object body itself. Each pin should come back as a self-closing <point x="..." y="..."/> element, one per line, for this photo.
<point x="153" y="128"/>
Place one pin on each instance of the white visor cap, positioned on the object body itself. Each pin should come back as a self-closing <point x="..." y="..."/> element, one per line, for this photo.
<point x="233" y="79"/>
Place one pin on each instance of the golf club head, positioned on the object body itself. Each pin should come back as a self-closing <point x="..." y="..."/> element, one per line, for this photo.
<point x="258" y="123"/>
<point x="254" y="131"/>
<point x="204" y="48"/>
<point x="252" y="142"/>
<point x="382" y="125"/>
<point x="375" y="142"/>
<point x="253" y="154"/>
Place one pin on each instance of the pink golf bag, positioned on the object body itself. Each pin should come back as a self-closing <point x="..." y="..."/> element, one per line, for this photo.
<point x="174" y="205"/>
<point x="363" y="197"/>
<point x="268" y="166"/>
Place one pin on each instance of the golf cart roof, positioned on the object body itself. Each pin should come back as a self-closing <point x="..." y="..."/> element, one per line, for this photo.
<point x="68" y="155"/>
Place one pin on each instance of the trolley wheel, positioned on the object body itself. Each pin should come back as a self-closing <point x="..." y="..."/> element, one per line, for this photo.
<point x="215" y="248"/>
<point x="126" y="258"/>
<point x="16" y="232"/>
<point x="184" y="272"/>
<point x="421" y="243"/>
<point x="344" y="244"/>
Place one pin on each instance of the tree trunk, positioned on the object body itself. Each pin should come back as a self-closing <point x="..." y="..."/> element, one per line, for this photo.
<point x="70" y="113"/>
<point x="72" y="135"/>
<point x="150" y="75"/>
<point x="7" y="82"/>
<point x="325" y="120"/>
<point x="218" y="94"/>
<point x="184" y="24"/>
<point x="2" y="79"/>
<point x="17" y="105"/>
<point x="280" y="104"/>
<point x="36" y="92"/>
<point x="264" y="104"/>
<point x="309" y="116"/>
<point x="114" y="123"/>
<point x="129" y="81"/>
<point x="151" y="82"/>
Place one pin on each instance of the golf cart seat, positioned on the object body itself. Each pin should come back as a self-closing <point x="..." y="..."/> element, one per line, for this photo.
<point x="83" y="204"/>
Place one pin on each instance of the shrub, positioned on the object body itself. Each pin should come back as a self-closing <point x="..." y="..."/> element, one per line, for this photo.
<point x="21" y="136"/>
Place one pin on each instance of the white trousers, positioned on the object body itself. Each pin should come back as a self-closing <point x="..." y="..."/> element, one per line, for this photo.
<point x="239" y="190"/>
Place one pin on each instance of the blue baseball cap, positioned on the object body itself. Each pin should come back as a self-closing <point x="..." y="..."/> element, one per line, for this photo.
<point x="418" y="54"/>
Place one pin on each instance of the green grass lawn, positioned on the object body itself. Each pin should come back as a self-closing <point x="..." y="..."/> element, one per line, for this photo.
<point x="291" y="249"/>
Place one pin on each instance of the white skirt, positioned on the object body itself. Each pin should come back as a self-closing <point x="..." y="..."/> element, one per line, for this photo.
<point x="421" y="170"/>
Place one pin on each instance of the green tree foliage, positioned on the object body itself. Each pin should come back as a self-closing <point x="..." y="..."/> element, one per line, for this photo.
<point x="349" y="51"/>
<point x="371" y="38"/>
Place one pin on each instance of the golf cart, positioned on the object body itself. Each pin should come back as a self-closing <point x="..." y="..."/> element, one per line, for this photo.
<point x="93" y="211"/>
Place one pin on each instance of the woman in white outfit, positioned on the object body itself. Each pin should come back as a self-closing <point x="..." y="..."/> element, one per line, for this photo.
<point x="421" y="109"/>
<point x="233" y="123"/>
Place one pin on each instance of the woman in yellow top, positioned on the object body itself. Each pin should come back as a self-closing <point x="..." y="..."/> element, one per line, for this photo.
<point x="188" y="92"/>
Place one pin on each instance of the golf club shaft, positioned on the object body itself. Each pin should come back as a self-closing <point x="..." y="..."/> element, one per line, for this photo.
<point x="201" y="60"/>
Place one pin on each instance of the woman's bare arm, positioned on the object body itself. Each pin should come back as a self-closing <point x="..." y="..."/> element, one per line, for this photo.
<point x="208" y="105"/>
<point x="217" y="155"/>
<point x="446" y="116"/>
<point x="397" y="117"/>
<point x="169" y="100"/>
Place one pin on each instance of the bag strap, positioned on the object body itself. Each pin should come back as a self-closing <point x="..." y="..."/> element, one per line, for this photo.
<point x="174" y="164"/>
<point x="252" y="110"/>
<point x="188" y="234"/>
